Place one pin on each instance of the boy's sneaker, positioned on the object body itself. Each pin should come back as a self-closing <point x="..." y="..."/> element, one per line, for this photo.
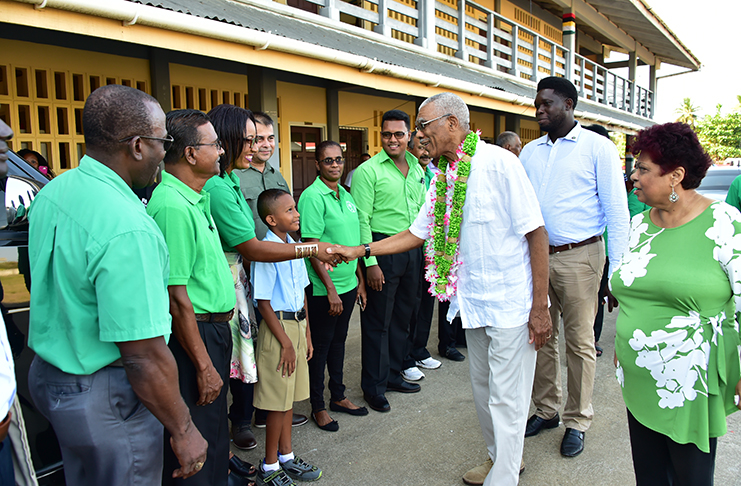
<point x="299" y="470"/>
<point x="429" y="363"/>
<point x="272" y="478"/>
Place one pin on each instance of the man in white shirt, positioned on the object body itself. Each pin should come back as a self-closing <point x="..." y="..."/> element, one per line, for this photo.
<point x="502" y="279"/>
<point x="577" y="177"/>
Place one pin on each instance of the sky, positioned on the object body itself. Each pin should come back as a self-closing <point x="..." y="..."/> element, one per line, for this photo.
<point x="713" y="37"/>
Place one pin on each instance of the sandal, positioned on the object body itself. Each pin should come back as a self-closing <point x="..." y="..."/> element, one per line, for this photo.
<point x="242" y="468"/>
<point x="599" y="349"/>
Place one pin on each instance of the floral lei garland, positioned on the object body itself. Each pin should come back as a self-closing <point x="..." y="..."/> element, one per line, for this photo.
<point x="442" y="254"/>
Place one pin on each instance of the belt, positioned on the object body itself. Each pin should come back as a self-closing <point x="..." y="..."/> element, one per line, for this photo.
<point x="569" y="246"/>
<point x="291" y="316"/>
<point x="215" y="317"/>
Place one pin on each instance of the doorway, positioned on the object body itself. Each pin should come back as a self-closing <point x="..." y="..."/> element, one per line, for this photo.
<point x="303" y="146"/>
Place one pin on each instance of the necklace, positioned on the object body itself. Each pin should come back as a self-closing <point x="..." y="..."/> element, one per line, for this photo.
<point x="442" y="253"/>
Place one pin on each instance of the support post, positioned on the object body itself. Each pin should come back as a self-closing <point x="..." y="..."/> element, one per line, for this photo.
<point x="426" y="25"/>
<point x="569" y="41"/>
<point x="331" y="11"/>
<point x="461" y="53"/>
<point x="632" y="69"/>
<point x="262" y="95"/>
<point x="159" y="71"/>
<point x="333" y="113"/>
<point x="383" y="27"/>
<point x="652" y="87"/>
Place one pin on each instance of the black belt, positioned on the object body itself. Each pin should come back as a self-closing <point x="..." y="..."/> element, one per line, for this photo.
<point x="569" y="246"/>
<point x="291" y="316"/>
<point x="215" y="317"/>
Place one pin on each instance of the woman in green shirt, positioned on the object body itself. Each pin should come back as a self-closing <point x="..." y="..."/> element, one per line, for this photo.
<point x="679" y="289"/>
<point x="236" y="129"/>
<point x="328" y="212"/>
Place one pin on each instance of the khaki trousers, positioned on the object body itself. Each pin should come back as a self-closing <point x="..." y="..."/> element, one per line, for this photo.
<point x="574" y="282"/>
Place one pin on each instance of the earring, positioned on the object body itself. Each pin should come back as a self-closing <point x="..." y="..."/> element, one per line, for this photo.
<point x="673" y="197"/>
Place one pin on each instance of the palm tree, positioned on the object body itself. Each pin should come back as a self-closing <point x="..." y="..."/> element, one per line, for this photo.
<point x="687" y="112"/>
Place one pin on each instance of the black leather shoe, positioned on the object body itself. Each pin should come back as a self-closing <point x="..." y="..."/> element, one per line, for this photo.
<point x="403" y="387"/>
<point x="573" y="443"/>
<point x="245" y="469"/>
<point x="535" y="424"/>
<point x="377" y="402"/>
<point x="299" y="419"/>
<point x="453" y="354"/>
<point x="243" y="437"/>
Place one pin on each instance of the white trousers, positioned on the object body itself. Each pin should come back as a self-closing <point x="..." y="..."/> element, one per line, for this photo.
<point x="502" y="366"/>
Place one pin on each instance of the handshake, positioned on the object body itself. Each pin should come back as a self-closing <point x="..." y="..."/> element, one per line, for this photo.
<point x="333" y="255"/>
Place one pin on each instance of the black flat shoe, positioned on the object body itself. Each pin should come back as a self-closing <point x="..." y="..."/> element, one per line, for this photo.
<point x="573" y="443"/>
<point x="332" y="426"/>
<point x="244" y="469"/>
<point x="377" y="402"/>
<point x="535" y="424"/>
<point x="453" y="354"/>
<point x="403" y="387"/>
<point x="336" y="407"/>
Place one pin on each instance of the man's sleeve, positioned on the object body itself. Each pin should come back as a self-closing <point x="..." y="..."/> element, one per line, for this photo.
<point x="363" y="192"/>
<point x="421" y="227"/>
<point x="129" y="274"/>
<point x="524" y="209"/>
<point x="311" y="209"/>
<point x="734" y="198"/>
<point x="614" y="201"/>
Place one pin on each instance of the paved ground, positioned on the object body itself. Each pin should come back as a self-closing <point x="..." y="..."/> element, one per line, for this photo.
<point x="431" y="438"/>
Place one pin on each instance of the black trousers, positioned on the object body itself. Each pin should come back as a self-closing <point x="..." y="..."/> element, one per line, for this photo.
<point x="211" y="420"/>
<point x="449" y="334"/>
<point x="420" y="324"/>
<point x="328" y="335"/>
<point x="385" y="322"/>
<point x="600" y="317"/>
<point x="659" y="461"/>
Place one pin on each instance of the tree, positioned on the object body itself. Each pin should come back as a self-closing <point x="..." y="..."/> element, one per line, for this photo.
<point x="721" y="135"/>
<point x="687" y="112"/>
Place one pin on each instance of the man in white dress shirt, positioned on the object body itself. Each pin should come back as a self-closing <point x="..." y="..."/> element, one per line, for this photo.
<point x="577" y="177"/>
<point x="502" y="279"/>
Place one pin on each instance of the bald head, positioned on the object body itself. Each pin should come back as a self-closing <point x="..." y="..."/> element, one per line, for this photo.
<point x="510" y="141"/>
<point x="115" y="112"/>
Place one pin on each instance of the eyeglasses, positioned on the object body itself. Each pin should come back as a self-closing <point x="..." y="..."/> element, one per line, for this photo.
<point x="420" y="125"/>
<point x="330" y="161"/>
<point x="166" y="142"/>
<point x="216" y="144"/>
<point x="251" y="141"/>
<point x="397" y="135"/>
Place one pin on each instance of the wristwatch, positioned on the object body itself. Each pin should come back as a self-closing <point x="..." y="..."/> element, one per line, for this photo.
<point x="367" y="250"/>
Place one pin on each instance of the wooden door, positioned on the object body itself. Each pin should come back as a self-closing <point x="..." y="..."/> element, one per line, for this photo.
<point x="352" y="147"/>
<point x="303" y="145"/>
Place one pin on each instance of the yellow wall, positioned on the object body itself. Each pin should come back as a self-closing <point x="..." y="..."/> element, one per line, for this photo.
<point x="484" y="122"/>
<point x="43" y="89"/>
<point x="529" y="131"/>
<point x="203" y="89"/>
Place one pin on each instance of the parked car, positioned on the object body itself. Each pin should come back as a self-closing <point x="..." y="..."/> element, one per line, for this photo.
<point x="717" y="181"/>
<point x="20" y="186"/>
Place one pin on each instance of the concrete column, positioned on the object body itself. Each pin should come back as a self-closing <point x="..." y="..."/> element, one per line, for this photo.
<point x="426" y="25"/>
<point x="333" y="113"/>
<point x="383" y="27"/>
<point x="262" y="95"/>
<point x="632" y="69"/>
<point x="512" y="123"/>
<point x="159" y="71"/>
<point x="629" y="141"/>
<point x="330" y="11"/>
<point x="652" y="85"/>
<point x="461" y="54"/>
<point x="497" y="124"/>
<point x="569" y="41"/>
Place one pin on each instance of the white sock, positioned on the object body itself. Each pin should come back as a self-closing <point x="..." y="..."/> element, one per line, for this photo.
<point x="270" y="467"/>
<point x="285" y="458"/>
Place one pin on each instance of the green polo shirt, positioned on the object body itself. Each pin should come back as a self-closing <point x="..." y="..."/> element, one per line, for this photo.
<point x="331" y="219"/>
<point x="230" y="211"/>
<point x="196" y="258"/>
<point x="252" y="182"/>
<point x="734" y="193"/>
<point x="387" y="202"/>
<point x="99" y="267"/>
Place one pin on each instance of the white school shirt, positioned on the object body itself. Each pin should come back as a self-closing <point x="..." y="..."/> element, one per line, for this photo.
<point x="495" y="283"/>
<point x="282" y="283"/>
<point x="580" y="188"/>
<point x="7" y="372"/>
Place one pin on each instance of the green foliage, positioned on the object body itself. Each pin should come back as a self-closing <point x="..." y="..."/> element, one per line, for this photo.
<point x="687" y="112"/>
<point x="720" y="135"/>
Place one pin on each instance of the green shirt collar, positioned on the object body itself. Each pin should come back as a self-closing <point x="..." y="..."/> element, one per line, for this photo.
<point x="189" y="194"/>
<point x="99" y="170"/>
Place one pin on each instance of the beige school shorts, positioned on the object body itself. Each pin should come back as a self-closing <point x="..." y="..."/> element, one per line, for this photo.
<point x="273" y="391"/>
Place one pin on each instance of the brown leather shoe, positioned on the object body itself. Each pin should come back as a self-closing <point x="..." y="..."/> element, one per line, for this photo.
<point x="477" y="475"/>
<point x="243" y="437"/>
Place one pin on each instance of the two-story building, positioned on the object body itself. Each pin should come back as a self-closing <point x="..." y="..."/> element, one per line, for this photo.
<point x="326" y="69"/>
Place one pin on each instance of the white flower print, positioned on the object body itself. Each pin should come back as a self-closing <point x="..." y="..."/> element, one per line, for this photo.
<point x="728" y="247"/>
<point x="677" y="360"/>
<point x="635" y="260"/>
<point x="620" y="375"/>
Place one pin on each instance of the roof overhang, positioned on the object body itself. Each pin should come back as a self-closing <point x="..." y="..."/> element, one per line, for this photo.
<point x="629" y="25"/>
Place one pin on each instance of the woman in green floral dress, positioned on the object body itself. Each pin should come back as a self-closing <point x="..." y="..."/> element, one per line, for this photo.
<point x="679" y="288"/>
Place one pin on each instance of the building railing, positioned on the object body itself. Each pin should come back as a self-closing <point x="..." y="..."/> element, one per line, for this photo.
<point x="492" y="41"/>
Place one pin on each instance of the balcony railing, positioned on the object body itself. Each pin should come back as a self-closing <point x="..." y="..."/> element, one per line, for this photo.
<point x="488" y="39"/>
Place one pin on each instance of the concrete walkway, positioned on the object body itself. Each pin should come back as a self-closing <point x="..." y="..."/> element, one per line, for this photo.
<point x="432" y="438"/>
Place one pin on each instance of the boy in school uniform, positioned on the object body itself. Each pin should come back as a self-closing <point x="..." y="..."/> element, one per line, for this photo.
<point x="283" y="344"/>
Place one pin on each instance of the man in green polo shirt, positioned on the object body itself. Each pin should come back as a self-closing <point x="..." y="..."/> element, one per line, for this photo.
<point x="260" y="175"/>
<point x="388" y="190"/>
<point x="99" y="307"/>
<point x="201" y="290"/>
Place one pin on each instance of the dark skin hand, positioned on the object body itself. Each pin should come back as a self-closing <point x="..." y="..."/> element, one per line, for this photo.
<point x="185" y="330"/>
<point x="287" y="363"/>
<point x="375" y="278"/>
<point x="335" y="304"/>
<point x="153" y="374"/>
<point x="539" y="321"/>
<point x="255" y="250"/>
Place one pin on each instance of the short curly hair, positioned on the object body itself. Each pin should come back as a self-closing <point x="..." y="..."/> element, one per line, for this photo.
<point x="673" y="145"/>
